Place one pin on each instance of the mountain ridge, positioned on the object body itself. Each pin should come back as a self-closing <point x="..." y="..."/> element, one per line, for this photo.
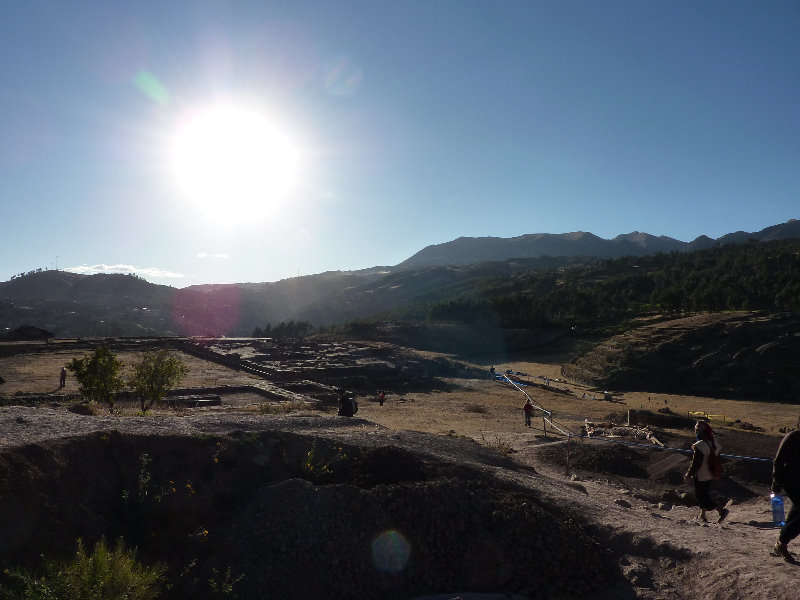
<point x="465" y="250"/>
<point x="76" y="305"/>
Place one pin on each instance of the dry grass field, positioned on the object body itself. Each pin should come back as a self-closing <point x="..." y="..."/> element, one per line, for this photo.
<point x="38" y="373"/>
<point x="484" y="410"/>
<point x="492" y="411"/>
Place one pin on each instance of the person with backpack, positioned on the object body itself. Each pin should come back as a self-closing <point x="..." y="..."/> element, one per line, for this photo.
<point x="786" y="476"/>
<point x="344" y="405"/>
<point x="706" y="468"/>
<point x="347" y="404"/>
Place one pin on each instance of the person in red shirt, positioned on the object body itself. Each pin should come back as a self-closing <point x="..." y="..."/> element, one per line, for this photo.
<point x="528" y="408"/>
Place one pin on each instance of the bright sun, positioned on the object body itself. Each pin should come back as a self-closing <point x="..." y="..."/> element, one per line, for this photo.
<point x="233" y="164"/>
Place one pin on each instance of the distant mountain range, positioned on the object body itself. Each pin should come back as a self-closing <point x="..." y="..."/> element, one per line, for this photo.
<point x="470" y="250"/>
<point x="72" y="305"/>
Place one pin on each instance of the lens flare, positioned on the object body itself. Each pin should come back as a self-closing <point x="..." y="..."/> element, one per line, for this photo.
<point x="343" y="77"/>
<point x="212" y="311"/>
<point x="390" y="552"/>
<point x="151" y="87"/>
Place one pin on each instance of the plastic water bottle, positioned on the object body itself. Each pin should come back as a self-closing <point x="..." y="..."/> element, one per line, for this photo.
<point x="777" y="510"/>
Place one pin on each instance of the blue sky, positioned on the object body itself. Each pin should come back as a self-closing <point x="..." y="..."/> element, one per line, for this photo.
<point x="407" y="123"/>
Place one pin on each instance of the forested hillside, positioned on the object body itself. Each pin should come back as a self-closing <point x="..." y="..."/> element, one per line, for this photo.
<point x="750" y="276"/>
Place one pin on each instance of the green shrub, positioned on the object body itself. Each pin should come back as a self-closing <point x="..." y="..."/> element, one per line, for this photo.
<point x="105" y="574"/>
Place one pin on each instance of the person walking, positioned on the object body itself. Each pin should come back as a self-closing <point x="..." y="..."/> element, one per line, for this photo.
<point x="528" y="408"/>
<point x="62" y="378"/>
<point x="704" y="469"/>
<point x="786" y="476"/>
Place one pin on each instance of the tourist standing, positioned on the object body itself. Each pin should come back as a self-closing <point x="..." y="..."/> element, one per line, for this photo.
<point x="528" y="409"/>
<point x="704" y="469"/>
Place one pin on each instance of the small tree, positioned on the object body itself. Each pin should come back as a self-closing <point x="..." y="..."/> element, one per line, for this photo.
<point x="99" y="375"/>
<point x="156" y="372"/>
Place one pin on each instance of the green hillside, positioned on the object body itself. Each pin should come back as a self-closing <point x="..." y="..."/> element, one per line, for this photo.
<point x="751" y="276"/>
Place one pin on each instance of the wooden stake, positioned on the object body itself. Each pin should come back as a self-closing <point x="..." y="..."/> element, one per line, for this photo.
<point x="569" y="466"/>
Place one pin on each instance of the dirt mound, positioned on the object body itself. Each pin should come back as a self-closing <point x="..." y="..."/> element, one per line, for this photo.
<point x="292" y="515"/>
<point x="388" y="465"/>
<point x="609" y="459"/>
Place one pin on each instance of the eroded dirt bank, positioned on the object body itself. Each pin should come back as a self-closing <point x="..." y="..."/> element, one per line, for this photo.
<point x="301" y="507"/>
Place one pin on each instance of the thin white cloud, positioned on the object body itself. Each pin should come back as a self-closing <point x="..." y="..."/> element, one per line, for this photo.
<point x="328" y="196"/>
<point x="207" y="255"/>
<point x="145" y="272"/>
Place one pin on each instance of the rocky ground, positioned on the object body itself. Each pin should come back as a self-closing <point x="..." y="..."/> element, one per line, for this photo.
<point x="437" y="493"/>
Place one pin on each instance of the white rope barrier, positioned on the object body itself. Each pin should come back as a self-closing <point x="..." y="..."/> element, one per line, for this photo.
<point x="548" y="414"/>
<point x="548" y="418"/>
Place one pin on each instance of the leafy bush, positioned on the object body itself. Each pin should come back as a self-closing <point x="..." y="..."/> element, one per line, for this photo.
<point x="155" y="373"/>
<point x="105" y="574"/>
<point x="99" y="375"/>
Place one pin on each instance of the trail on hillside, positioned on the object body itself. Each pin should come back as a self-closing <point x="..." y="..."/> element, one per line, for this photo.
<point x="728" y="561"/>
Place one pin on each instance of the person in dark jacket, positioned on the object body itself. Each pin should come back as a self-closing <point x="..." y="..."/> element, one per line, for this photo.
<point x="343" y="404"/>
<point x="347" y="404"/>
<point x="786" y="476"/>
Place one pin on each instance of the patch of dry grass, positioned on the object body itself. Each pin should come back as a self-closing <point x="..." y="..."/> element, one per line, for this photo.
<point x="281" y="408"/>
<point x="39" y="373"/>
<point x="498" y="445"/>
<point x="476" y="409"/>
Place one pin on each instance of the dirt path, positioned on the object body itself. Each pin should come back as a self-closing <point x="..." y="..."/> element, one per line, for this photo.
<point x="729" y="560"/>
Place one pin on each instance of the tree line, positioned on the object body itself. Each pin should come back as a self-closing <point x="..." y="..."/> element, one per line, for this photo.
<point x="749" y="276"/>
<point x="292" y="329"/>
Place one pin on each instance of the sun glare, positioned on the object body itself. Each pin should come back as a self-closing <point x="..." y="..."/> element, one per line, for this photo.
<point x="233" y="164"/>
